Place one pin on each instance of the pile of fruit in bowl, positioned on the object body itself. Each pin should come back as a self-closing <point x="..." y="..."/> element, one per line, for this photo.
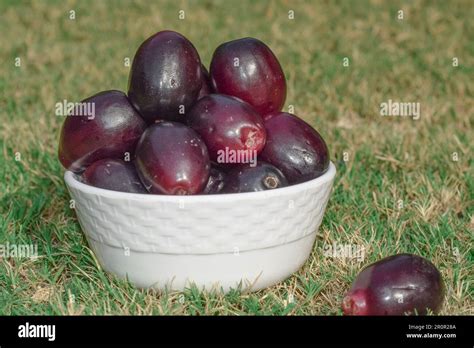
<point x="215" y="136"/>
<point x="182" y="130"/>
<point x="197" y="173"/>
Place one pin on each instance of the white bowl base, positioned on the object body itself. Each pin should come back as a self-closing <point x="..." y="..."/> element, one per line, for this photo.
<point x="255" y="269"/>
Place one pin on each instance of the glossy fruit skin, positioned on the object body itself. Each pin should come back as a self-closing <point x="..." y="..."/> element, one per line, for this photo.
<point x="267" y="117"/>
<point x="206" y="87"/>
<point x="216" y="181"/>
<point x="172" y="159"/>
<point x="165" y="74"/>
<point x="114" y="174"/>
<point x="225" y="122"/>
<point x="111" y="133"/>
<point x="245" y="178"/>
<point x="258" y="79"/>
<point x="396" y="285"/>
<point x="295" y="147"/>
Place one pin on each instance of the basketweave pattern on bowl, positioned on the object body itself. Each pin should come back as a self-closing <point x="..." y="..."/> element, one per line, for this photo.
<point x="193" y="227"/>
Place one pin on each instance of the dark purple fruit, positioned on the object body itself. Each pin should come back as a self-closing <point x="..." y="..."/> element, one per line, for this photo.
<point x="229" y="127"/>
<point x="216" y="181"/>
<point x="267" y="117"/>
<point x="165" y="78"/>
<point x="172" y="159"/>
<point x="295" y="147"/>
<point x="206" y="87"/>
<point x="111" y="132"/>
<point x="245" y="178"/>
<point x="397" y="285"/>
<point x="114" y="174"/>
<point x="248" y="69"/>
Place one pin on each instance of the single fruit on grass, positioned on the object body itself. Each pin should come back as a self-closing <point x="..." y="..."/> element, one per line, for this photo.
<point x="248" y="69"/>
<point x="172" y="159"/>
<point x="397" y="285"/>
<point x="232" y="130"/>
<point x="295" y="147"/>
<point x="165" y="77"/>
<point x="216" y="181"/>
<point x="245" y="178"/>
<point x="206" y="87"/>
<point x="114" y="174"/>
<point x="111" y="131"/>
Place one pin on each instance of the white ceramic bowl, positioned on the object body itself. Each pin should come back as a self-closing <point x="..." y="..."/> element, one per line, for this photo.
<point x="253" y="239"/>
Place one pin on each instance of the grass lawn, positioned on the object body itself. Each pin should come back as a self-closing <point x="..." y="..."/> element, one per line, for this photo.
<point x="403" y="185"/>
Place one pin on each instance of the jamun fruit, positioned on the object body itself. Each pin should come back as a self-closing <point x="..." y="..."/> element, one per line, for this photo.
<point x="397" y="285"/>
<point x="246" y="178"/>
<point x="248" y="69"/>
<point x="295" y="147"/>
<point x="165" y="78"/>
<point x="172" y="159"/>
<point x="114" y="174"/>
<point x="111" y="132"/>
<point x="216" y="181"/>
<point x="229" y="127"/>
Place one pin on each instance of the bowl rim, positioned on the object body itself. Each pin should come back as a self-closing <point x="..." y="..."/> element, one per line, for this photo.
<point x="72" y="182"/>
